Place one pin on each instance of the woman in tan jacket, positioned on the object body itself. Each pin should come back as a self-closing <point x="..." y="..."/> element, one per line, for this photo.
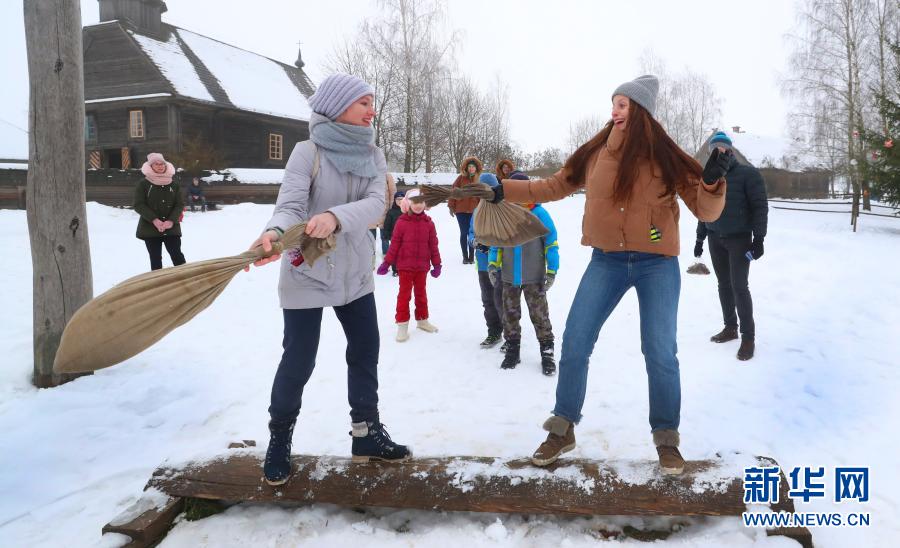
<point x="631" y="172"/>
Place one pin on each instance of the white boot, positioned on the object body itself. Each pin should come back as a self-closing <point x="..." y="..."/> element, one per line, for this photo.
<point x="426" y="326"/>
<point x="402" y="332"/>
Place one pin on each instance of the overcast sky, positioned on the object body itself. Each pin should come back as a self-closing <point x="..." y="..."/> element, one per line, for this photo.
<point x="561" y="59"/>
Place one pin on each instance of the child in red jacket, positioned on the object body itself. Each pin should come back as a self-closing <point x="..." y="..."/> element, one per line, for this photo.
<point x="413" y="249"/>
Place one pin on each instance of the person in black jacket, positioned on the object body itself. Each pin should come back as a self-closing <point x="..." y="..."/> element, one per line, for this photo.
<point x="735" y="239"/>
<point x="387" y="229"/>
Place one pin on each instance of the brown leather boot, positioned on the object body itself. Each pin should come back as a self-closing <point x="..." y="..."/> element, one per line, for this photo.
<point x="727" y="334"/>
<point x="561" y="439"/>
<point x="670" y="460"/>
<point x="745" y="352"/>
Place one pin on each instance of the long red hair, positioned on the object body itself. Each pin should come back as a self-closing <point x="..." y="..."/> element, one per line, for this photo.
<point x="645" y="139"/>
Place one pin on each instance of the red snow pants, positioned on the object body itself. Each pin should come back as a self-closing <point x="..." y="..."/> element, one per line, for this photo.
<point x="410" y="280"/>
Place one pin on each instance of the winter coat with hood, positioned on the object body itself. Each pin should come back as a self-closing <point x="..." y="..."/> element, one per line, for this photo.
<point x="345" y="274"/>
<point x="529" y="263"/>
<point x="498" y="171"/>
<point x="391" y="188"/>
<point x="163" y="202"/>
<point x="746" y="205"/>
<point x="612" y="226"/>
<point x="414" y="243"/>
<point x="466" y="205"/>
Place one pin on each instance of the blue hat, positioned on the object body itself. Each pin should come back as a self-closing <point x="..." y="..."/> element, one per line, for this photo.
<point x="336" y="93"/>
<point x="399" y="194"/>
<point x="720" y="139"/>
<point x="518" y="175"/>
<point x="488" y="179"/>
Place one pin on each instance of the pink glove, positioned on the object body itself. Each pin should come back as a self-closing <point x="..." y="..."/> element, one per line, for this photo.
<point x="159" y="225"/>
<point x="383" y="268"/>
<point x="167" y="225"/>
<point x="436" y="271"/>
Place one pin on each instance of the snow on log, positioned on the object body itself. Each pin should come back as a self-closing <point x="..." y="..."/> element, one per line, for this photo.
<point x="476" y="484"/>
<point x="147" y="520"/>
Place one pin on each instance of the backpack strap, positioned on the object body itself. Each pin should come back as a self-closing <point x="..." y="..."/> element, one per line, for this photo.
<point x="315" y="166"/>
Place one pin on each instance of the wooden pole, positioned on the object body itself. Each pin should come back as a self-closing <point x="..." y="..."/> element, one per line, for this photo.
<point x="57" y="221"/>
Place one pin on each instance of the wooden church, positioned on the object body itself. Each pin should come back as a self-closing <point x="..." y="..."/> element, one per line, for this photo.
<point x="153" y="87"/>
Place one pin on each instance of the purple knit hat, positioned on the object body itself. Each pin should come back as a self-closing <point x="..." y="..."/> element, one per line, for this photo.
<point x="337" y="92"/>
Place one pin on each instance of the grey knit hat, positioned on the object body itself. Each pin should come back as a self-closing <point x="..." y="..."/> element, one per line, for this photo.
<point x="337" y="92"/>
<point x="642" y="90"/>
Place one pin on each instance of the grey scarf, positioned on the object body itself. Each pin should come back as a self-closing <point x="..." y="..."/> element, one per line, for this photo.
<point x="350" y="148"/>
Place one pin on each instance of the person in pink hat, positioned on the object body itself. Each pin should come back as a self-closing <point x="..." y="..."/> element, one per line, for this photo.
<point x="413" y="250"/>
<point x="158" y="201"/>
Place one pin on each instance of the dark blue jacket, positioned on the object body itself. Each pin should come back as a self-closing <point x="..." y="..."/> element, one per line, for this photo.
<point x="746" y="205"/>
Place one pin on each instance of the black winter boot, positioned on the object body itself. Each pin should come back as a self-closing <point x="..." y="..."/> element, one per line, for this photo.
<point x="372" y="442"/>
<point x="511" y="359"/>
<point x="548" y="364"/>
<point x="745" y="352"/>
<point x="491" y="340"/>
<point x="277" y="466"/>
<point x="727" y="334"/>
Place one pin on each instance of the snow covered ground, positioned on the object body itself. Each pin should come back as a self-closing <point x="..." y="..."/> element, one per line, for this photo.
<point x="822" y="390"/>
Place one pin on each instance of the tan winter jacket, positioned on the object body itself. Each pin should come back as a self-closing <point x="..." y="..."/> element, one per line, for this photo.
<point x="612" y="226"/>
<point x="388" y="200"/>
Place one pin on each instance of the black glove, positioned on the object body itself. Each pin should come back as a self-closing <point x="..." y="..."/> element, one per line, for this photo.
<point x="498" y="194"/>
<point x="756" y="248"/>
<point x="716" y="166"/>
<point x="698" y="249"/>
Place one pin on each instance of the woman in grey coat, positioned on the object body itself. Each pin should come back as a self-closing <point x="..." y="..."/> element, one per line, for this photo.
<point x="335" y="182"/>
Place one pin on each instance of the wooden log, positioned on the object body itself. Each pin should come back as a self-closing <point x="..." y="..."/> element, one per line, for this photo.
<point x="147" y="520"/>
<point x="479" y="484"/>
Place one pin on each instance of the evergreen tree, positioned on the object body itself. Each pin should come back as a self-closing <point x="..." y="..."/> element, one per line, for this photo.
<point x="883" y="166"/>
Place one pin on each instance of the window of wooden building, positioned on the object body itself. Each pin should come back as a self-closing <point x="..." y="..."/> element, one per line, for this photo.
<point x="136" y="124"/>
<point x="276" y="146"/>
<point x="90" y="128"/>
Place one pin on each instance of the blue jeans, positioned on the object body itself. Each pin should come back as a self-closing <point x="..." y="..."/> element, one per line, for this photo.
<point x="468" y="251"/>
<point x="608" y="276"/>
<point x="301" y="344"/>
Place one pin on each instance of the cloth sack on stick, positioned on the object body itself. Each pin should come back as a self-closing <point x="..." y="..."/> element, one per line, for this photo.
<point x="502" y="225"/>
<point x="135" y="314"/>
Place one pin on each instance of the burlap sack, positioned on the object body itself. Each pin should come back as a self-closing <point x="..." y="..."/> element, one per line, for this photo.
<point x="132" y="316"/>
<point x="502" y="225"/>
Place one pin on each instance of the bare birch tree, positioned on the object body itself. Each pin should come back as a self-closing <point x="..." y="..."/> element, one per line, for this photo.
<point x="583" y="131"/>
<point x="828" y="66"/>
<point x="687" y="105"/>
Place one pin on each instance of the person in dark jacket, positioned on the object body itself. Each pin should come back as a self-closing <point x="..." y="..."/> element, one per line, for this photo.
<point x="413" y="250"/>
<point x="390" y="220"/>
<point x="158" y="200"/>
<point x="491" y="294"/>
<point x="736" y="239"/>
<point x="195" y="195"/>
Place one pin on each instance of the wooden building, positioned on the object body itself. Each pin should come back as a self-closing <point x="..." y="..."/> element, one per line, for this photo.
<point x="152" y="87"/>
